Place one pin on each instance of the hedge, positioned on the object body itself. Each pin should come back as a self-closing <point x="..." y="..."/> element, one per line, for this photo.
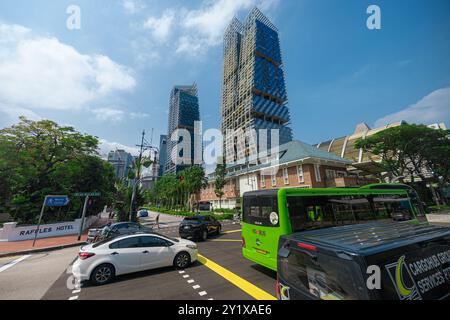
<point x="225" y="216"/>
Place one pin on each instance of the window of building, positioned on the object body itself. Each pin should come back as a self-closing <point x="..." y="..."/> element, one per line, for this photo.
<point x="300" y="174"/>
<point x="317" y="173"/>
<point x="286" y="176"/>
<point x="263" y="180"/>
<point x="341" y="174"/>
<point x="330" y="174"/>
<point x="274" y="180"/>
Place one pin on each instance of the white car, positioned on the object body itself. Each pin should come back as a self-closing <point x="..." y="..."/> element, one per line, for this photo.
<point x="102" y="261"/>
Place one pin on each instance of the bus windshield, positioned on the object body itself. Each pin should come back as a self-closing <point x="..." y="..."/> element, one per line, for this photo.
<point x="314" y="212"/>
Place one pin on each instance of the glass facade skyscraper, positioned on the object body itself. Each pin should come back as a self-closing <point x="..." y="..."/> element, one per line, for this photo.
<point x="183" y="113"/>
<point x="254" y="92"/>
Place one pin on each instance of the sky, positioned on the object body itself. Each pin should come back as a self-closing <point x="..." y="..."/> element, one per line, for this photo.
<point x="112" y="77"/>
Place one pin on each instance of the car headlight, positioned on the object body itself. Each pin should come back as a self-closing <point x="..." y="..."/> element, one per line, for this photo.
<point x="192" y="246"/>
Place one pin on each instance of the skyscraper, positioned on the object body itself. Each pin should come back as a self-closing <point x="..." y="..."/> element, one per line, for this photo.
<point x="254" y="92"/>
<point x="162" y="154"/>
<point x="183" y="113"/>
<point x="122" y="162"/>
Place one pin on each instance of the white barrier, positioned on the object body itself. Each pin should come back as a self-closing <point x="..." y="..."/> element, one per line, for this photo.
<point x="11" y="232"/>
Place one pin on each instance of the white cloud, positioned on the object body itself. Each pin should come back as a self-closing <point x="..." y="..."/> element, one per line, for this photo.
<point x="200" y="29"/>
<point x="43" y="73"/>
<point x="10" y="114"/>
<point x="433" y="108"/>
<point x="139" y="115"/>
<point x="132" y="6"/>
<point x="108" y="114"/>
<point x="161" y="27"/>
<point x="106" y="146"/>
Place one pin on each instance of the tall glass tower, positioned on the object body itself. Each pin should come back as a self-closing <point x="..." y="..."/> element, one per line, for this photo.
<point x="184" y="111"/>
<point x="254" y="92"/>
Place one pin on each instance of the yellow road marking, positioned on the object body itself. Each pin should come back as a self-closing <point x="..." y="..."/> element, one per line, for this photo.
<point x="233" y="231"/>
<point x="239" y="282"/>
<point x="225" y="240"/>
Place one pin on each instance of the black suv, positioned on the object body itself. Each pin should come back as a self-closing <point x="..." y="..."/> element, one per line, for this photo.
<point x="199" y="227"/>
<point x="373" y="261"/>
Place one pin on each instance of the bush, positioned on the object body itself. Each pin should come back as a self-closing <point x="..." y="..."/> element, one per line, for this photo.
<point x="232" y="211"/>
<point x="220" y="217"/>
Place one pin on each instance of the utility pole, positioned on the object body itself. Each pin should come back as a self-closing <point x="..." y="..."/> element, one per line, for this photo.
<point x="144" y="146"/>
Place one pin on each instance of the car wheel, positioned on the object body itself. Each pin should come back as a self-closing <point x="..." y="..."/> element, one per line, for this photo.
<point x="204" y="235"/>
<point x="103" y="274"/>
<point x="182" y="260"/>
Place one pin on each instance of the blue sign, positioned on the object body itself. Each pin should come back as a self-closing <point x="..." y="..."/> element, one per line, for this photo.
<point x="57" y="201"/>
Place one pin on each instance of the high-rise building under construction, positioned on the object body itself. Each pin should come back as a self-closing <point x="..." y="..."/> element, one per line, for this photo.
<point x="254" y="91"/>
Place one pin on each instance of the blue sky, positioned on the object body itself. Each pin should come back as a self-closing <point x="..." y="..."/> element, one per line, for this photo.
<point x="112" y="78"/>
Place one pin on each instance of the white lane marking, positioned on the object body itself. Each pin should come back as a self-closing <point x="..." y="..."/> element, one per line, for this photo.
<point x="76" y="291"/>
<point x="73" y="298"/>
<point x="13" y="263"/>
<point x="196" y="287"/>
<point x="181" y="272"/>
<point x="211" y="299"/>
<point x="186" y="276"/>
<point x="203" y="293"/>
<point x="191" y="281"/>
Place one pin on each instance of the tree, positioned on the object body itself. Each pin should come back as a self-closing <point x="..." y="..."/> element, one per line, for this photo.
<point x="38" y="158"/>
<point x="195" y="180"/>
<point x="412" y="151"/>
<point x="220" y="182"/>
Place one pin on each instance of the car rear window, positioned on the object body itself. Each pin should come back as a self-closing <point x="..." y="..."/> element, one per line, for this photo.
<point x="322" y="277"/>
<point x="194" y="219"/>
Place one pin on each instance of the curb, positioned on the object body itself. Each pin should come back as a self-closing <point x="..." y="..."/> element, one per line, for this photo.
<point x="40" y="250"/>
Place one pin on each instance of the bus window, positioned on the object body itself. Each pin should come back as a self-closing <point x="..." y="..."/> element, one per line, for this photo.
<point x="326" y="211"/>
<point x="396" y="207"/>
<point x="257" y="210"/>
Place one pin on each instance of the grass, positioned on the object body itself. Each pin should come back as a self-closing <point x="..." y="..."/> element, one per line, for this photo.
<point x="225" y="216"/>
<point x="437" y="209"/>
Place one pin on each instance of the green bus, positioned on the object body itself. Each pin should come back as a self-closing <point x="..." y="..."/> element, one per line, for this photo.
<point x="267" y="215"/>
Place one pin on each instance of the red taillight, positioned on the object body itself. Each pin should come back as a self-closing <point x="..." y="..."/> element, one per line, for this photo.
<point x="85" y="255"/>
<point x="278" y="290"/>
<point x="307" y="247"/>
<point x="243" y="242"/>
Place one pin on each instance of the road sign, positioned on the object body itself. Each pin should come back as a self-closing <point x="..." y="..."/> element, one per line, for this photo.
<point x="50" y="201"/>
<point x="57" y="201"/>
<point x="87" y="194"/>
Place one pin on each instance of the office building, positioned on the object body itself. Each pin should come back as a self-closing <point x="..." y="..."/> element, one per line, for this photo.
<point x="122" y="162"/>
<point x="183" y="113"/>
<point x="254" y="92"/>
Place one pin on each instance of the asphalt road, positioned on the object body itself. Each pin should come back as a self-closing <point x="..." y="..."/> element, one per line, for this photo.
<point x="221" y="274"/>
<point x="29" y="277"/>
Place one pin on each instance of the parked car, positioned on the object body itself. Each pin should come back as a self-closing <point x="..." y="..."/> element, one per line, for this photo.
<point x="142" y="214"/>
<point x="95" y="233"/>
<point x="116" y="229"/>
<point x="101" y="262"/>
<point x="204" y="206"/>
<point x="199" y="227"/>
<point x="413" y="263"/>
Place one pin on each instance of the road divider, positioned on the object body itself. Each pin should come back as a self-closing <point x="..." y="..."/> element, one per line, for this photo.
<point x="239" y="282"/>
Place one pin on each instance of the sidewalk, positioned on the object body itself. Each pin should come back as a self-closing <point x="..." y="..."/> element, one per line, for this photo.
<point x="47" y="243"/>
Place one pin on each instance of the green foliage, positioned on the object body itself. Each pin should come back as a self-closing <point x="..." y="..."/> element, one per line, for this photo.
<point x="221" y="217"/>
<point x="220" y="182"/>
<point x="38" y="158"/>
<point x="407" y="150"/>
